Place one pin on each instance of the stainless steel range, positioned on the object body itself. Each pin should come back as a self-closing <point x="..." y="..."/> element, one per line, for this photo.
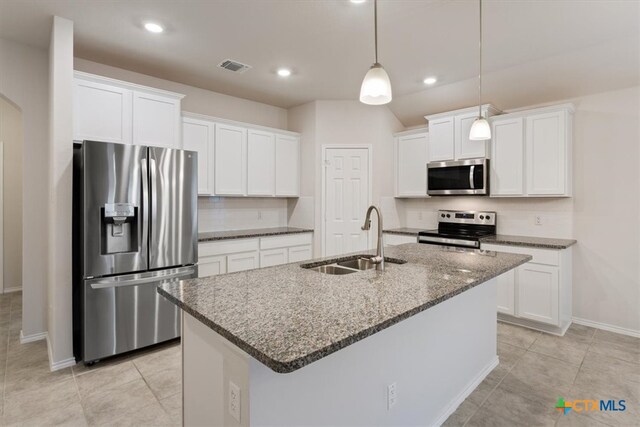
<point x="460" y="229"/>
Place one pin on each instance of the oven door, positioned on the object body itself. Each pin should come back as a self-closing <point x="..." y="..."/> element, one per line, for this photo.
<point x="463" y="177"/>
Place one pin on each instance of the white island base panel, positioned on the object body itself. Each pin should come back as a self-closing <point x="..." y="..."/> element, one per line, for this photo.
<point x="435" y="359"/>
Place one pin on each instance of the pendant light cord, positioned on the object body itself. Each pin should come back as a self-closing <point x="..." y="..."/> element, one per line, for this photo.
<point x="375" y="26"/>
<point x="480" y="73"/>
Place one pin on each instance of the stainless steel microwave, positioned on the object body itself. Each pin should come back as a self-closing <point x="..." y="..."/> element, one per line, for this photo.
<point x="461" y="177"/>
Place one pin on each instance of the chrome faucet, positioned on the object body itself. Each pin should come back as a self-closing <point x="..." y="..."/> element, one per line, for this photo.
<point x="379" y="258"/>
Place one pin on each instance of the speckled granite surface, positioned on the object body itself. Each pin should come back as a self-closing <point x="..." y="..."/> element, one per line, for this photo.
<point x="404" y="231"/>
<point x="246" y="234"/>
<point x="287" y="316"/>
<point x="530" y="242"/>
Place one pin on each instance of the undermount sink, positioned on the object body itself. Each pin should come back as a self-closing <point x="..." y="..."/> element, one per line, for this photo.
<point x="347" y="266"/>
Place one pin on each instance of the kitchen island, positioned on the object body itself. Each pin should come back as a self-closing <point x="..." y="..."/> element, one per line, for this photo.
<point x="288" y="345"/>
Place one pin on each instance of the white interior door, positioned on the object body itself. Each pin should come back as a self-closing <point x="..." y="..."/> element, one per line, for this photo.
<point x="346" y="199"/>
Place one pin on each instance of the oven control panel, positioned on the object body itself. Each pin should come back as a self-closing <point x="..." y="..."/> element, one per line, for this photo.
<point x="467" y="217"/>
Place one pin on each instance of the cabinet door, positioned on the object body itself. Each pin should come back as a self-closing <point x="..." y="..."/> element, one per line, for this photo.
<point x="242" y="261"/>
<point x="466" y="148"/>
<point x="507" y="157"/>
<point x="411" y="165"/>
<point x="212" y="265"/>
<point x="198" y="136"/>
<point x="230" y="160"/>
<point x="546" y="154"/>
<point x="441" y="140"/>
<point x="261" y="163"/>
<point x="300" y="253"/>
<point x="101" y="112"/>
<point x="538" y="293"/>
<point x="287" y="166"/>
<point x="506" y="293"/>
<point x="156" y="120"/>
<point x="272" y="257"/>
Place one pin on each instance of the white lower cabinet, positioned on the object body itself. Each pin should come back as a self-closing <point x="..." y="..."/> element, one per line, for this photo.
<point x="212" y="265"/>
<point x="242" y="261"/>
<point x="398" y="239"/>
<point x="538" y="293"/>
<point x="272" y="257"/>
<point x="300" y="253"/>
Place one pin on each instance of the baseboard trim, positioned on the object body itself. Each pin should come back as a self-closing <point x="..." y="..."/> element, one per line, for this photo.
<point x="56" y="366"/>
<point x="33" y="337"/>
<point x="457" y="401"/>
<point x="607" y="327"/>
<point x="12" y="289"/>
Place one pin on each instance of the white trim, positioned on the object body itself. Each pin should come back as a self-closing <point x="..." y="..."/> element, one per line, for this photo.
<point x="2" y="217"/>
<point x="487" y="109"/>
<point x="198" y="116"/>
<point x="450" y="409"/>
<point x="32" y="338"/>
<point x="12" y="289"/>
<point x="127" y="85"/>
<point x="532" y="324"/>
<point x="607" y="327"/>
<point x="323" y="201"/>
<point x="56" y="366"/>
<point x="413" y="131"/>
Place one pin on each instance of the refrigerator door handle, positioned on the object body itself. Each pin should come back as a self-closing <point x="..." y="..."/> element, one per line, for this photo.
<point x="153" y="206"/>
<point x="145" y="202"/>
<point x="142" y="278"/>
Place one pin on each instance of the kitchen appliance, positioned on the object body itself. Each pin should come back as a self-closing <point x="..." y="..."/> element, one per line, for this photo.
<point x="462" y="229"/>
<point x="135" y="226"/>
<point x="460" y="177"/>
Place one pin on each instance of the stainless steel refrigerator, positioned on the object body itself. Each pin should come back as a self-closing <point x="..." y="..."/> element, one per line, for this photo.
<point x="135" y="226"/>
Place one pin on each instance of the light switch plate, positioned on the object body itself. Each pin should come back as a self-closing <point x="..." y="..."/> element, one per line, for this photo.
<point x="234" y="401"/>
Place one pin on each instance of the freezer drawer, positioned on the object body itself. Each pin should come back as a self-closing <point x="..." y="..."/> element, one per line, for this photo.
<point x="124" y="313"/>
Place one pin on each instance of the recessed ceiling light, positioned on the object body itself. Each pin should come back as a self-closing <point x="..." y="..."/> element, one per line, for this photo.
<point x="284" y="72"/>
<point x="358" y="1"/>
<point x="430" y="80"/>
<point x="152" y="27"/>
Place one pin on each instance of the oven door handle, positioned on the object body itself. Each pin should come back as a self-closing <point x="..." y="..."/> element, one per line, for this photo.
<point x="446" y="241"/>
<point x="472" y="169"/>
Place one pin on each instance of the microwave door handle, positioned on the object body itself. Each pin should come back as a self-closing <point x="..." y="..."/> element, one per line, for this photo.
<point x="471" y="171"/>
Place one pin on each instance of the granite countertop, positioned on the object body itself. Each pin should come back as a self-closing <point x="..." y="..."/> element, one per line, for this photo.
<point x="404" y="231"/>
<point x="529" y="242"/>
<point x="287" y="316"/>
<point x="246" y="234"/>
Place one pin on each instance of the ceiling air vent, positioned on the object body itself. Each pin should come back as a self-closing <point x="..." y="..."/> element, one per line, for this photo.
<point x="235" y="66"/>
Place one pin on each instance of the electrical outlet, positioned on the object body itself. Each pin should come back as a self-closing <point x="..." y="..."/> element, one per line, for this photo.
<point x="234" y="401"/>
<point x="259" y="215"/>
<point x="538" y="220"/>
<point x="392" y="395"/>
<point x="420" y="215"/>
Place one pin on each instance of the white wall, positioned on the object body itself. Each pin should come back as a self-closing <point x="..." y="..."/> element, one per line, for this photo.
<point x="228" y="213"/>
<point x="11" y="136"/>
<point x="603" y="215"/>
<point x="59" y="296"/>
<point x="24" y="80"/>
<point x="197" y="100"/>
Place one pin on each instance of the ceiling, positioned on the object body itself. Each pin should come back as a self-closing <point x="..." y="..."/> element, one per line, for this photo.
<point x="535" y="50"/>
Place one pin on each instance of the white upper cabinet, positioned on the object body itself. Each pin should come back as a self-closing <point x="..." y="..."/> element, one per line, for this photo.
<point x="531" y="153"/>
<point x="101" y="112"/>
<point x="156" y="120"/>
<point x="230" y="160"/>
<point x="411" y="164"/>
<point x="449" y="134"/>
<point x="287" y="166"/>
<point x="111" y="110"/>
<point x="198" y="136"/>
<point x="261" y="163"/>
<point x="507" y="157"/>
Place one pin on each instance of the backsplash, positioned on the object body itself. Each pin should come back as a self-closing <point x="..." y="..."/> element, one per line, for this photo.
<point x="226" y="213"/>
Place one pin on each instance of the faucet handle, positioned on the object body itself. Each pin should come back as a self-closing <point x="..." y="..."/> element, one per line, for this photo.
<point x="366" y="226"/>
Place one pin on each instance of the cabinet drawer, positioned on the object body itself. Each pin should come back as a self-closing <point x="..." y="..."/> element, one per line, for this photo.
<point x="540" y="256"/>
<point x="212" y="265"/>
<point x="273" y="257"/>
<point x="300" y="253"/>
<point x="243" y="261"/>
<point x="285" y="241"/>
<point x="227" y="247"/>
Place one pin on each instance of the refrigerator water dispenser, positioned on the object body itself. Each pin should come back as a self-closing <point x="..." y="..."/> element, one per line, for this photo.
<point x="119" y="228"/>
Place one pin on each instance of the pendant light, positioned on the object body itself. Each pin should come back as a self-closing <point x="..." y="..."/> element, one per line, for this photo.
<point x="376" y="86"/>
<point x="480" y="129"/>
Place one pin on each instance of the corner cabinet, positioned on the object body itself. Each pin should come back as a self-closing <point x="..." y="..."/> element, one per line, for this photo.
<point x="531" y="153"/>
<point x="240" y="160"/>
<point x="449" y="134"/>
<point x="111" y="110"/>
<point x="411" y="157"/>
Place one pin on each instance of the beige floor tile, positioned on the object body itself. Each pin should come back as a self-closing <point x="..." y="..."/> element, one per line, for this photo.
<point x="164" y="360"/>
<point x="495" y="417"/>
<point x="574" y="419"/>
<point x="71" y="416"/>
<point x="165" y="383"/>
<point x="509" y="354"/>
<point x="117" y="403"/>
<point x="461" y="415"/>
<point x="485" y="388"/>
<point x="537" y="370"/>
<point x="601" y="383"/>
<point x="516" y="335"/>
<point x="585" y="332"/>
<point x="173" y="406"/>
<point x="45" y="398"/>
<point x="601" y="335"/>
<point x="33" y="377"/>
<point x="106" y="378"/>
<point x="629" y="417"/>
<point x="152" y="415"/>
<point x="81" y="368"/>
<point x="612" y="366"/>
<point x="563" y="348"/>
<point x="623" y="350"/>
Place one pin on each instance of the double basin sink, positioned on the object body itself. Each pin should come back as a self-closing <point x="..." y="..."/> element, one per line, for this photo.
<point x="348" y="265"/>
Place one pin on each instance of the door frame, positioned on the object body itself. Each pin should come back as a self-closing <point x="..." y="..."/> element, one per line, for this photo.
<point x="325" y="147"/>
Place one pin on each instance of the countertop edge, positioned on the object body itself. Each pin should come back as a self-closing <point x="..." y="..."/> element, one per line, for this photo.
<point x="494" y="241"/>
<point x="401" y="232"/>
<point x="241" y="235"/>
<point x="293" y="365"/>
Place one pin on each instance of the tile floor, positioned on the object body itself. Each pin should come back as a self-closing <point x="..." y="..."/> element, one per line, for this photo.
<point x="144" y="388"/>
